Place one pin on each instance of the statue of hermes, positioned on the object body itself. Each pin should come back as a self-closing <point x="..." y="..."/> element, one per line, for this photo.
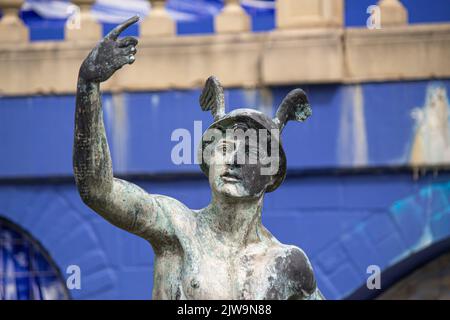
<point x="219" y="252"/>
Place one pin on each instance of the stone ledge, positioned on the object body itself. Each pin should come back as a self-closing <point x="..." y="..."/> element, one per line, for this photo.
<point x="400" y="53"/>
<point x="303" y="56"/>
<point x="281" y="57"/>
<point x="162" y="63"/>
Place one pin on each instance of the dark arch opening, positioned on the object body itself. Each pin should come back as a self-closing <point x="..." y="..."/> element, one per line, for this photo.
<point x="27" y="271"/>
<point x="401" y="270"/>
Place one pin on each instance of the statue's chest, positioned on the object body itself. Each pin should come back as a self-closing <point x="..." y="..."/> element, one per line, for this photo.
<point x="221" y="272"/>
<point x="208" y="277"/>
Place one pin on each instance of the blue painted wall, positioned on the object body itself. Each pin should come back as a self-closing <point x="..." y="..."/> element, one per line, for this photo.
<point x="344" y="222"/>
<point x="363" y="125"/>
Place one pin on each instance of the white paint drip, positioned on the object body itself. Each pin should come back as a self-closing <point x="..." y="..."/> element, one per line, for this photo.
<point x="266" y="104"/>
<point x="352" y="137"/>
<point x="120" y="131"/>
<point x="250" y="97"/>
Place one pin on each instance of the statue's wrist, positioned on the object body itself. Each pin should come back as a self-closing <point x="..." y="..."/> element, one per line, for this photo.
<point x="86" y="83"/>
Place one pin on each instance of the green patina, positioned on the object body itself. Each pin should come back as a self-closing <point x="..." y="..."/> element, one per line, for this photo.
<point x="219" y="252"/>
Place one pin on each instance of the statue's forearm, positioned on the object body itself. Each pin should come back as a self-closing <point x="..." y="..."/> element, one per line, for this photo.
<point x="91" y="157"/>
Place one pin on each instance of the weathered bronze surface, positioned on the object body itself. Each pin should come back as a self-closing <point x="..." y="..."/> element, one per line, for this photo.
<point x="220" y="252"/>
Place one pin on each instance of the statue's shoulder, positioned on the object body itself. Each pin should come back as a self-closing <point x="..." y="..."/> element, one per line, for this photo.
<point x="173" y="209"/>
<point x="296" y="268"/>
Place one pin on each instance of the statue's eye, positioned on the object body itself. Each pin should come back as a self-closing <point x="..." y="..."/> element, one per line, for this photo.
<point x="223" y="148"/>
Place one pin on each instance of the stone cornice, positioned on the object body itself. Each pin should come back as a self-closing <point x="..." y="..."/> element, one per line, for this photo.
<point x="281" y="57"/>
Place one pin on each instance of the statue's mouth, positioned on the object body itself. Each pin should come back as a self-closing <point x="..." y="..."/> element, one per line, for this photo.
<point x="230" y="177"/>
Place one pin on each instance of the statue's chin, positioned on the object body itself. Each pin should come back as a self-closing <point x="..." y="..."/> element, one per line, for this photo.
<point x="231" y="190"/>
<point x="235" y="191"/>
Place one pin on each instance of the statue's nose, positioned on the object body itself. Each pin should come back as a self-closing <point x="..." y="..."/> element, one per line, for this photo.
<point x="231" y="157"/>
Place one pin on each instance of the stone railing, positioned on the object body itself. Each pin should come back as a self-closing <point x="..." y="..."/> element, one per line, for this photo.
<point x="309" y="45"/>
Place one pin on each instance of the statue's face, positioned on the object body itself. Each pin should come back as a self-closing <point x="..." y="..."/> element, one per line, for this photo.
<point x="233" y="175"/>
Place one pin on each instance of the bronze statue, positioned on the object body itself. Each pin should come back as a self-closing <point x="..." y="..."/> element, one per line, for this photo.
<point x="222" y="251"/>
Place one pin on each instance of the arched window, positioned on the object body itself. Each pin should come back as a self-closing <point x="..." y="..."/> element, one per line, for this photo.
<point x="26" y="270"/>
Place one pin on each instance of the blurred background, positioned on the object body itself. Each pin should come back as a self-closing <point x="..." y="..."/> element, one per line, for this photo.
<point x="368" y="182"/>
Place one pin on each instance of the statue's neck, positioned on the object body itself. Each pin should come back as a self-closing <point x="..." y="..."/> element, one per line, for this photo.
<point x="238" y="220"/>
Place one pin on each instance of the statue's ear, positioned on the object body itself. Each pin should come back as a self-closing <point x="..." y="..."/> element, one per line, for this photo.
<point x="295" y="106"/>
<point x="212" y="98"/>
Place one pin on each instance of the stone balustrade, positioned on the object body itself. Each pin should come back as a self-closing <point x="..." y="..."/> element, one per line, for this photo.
<point x="392" y="13"/>
<point x="12" y="29"/>
<point x="232" y="19"/>
<point x="290" y="14"/>
<point x="81" y="24"/>
<point x="158" y="23"/>
<point x="294" y="14"/>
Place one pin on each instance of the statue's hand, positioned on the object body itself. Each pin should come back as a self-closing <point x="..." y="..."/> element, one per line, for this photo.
<point x="299" y="105"/>
<point x="110" y="54"/>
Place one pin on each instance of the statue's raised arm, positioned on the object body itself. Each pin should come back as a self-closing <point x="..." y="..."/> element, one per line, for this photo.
<point x="120" y="202"/>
